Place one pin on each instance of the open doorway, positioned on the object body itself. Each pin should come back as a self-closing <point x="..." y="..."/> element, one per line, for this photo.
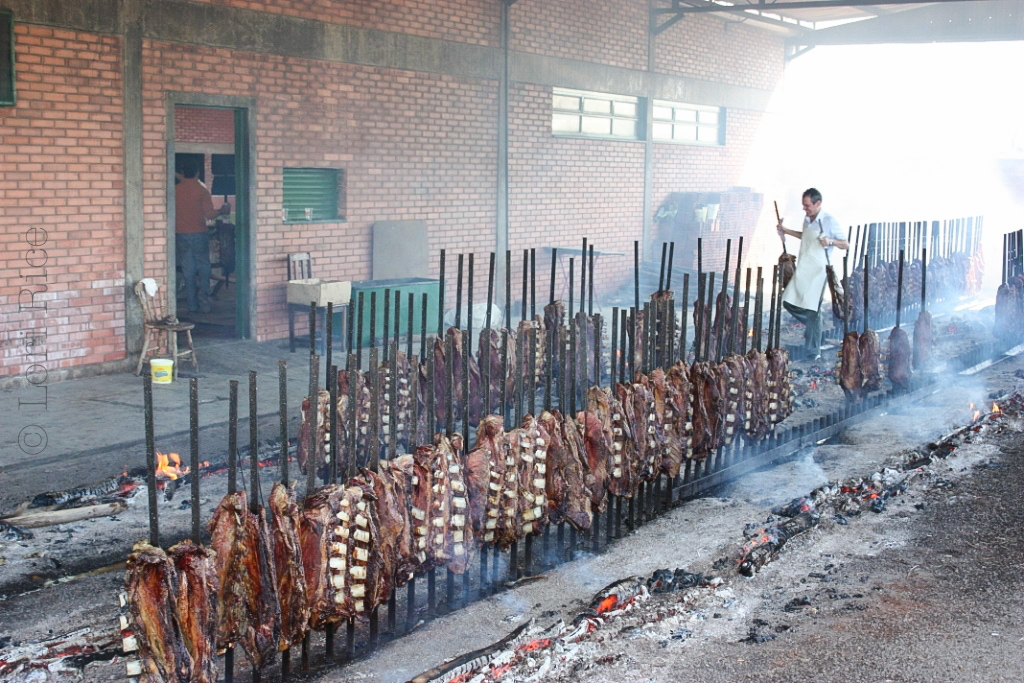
<point x="214" y="140"/>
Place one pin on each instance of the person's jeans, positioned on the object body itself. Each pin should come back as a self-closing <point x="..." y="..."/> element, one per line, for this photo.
<point x="193" y="252"/>
<point x="812" y="327"/>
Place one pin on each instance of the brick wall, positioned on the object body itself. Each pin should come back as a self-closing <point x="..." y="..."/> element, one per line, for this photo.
<point x="465" y="21"/>
<point x="610" y="32"/>
<point x="200" y="124"/>
<point x="61" y="204"/>
<point x="413" y="145"/>
<point x="564" y="189"/>
<point x="713" y="49"/>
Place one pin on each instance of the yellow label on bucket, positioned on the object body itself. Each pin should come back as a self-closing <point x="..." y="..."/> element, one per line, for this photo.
<point x="162" y="370"/>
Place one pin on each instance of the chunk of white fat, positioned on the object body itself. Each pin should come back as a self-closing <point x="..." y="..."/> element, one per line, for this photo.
<point x="362" y="521"/>
<point x="123" y="599"/>
<point x="438" y="522"/>
<point x="415" y="480"/>
<point x="616" y="416"/>
<point x="133" y="667"/>
<point x="341" y="531"/>
<point x="529" y="516"/>
<point x="458" y="535"/>
<point x="525" y="444"/>
<point x="129" y="643"/>
<point x="528" y="528"/>
<point x="339" y="598"/>
<point x="616" y="431"/>
<point x="338" y="548"/>
<point x="618" y="445"/>
<point x="439" y="539"/>
<point x="338" y="581"/>
<point x="360" y="606"/>
<point x="539" y="483"/>
<point x="344" y="502"/>
<point x="361" y="536"/>
<point x="539" y="441"/>
<point x="123" y="621"/>
<point x="730" y="418"/>
<point x="541" y="468"/>
<point x="458" y="502"/>
<point x="491" y="524"/>
<point x="343" y="516"/>
<point x="418" y="514"/>
<point x="337" y="563"/>
<point x="458" y="486"/>
<point x="361" y="554"/>
<point x="454" y="468"/>
<point x="422" y="543"/>
<point x="488" y="536"/>
<point x="358" y="572"/>
<point x="617" y="472"/>
<point x="494" y="486"/>
<point x="459" y="549"/>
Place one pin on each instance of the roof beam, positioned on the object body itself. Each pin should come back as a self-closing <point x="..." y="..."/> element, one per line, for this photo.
<point x="775" y="7"/>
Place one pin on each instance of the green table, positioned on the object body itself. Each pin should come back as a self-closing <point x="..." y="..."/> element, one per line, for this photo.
<point x="417" y="286"/>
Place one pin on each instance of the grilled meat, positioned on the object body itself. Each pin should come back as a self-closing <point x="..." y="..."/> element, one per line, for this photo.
<point x="248" y="611"/>
<point x="313" y="441"/>
<point x="485" y="467"/>
<point x="196" y="607"/>
<point x="568" y="489"/>
<point x="354" y="382"/>
<point x="291" y="577"/>
<point x="922" y="340"/>
<point x="554" y="315"/>
<point x="151" y="627"/>
<point x="401" y="383"/>
<point x="598" y="452"/>
<point x="489" y="345"/>
<point x="670" y="414"/>
<point x="736" y="372"/>
<point x="900" y="357"/>
<point x="681" y="417"/>
<point x="619" y="437"/>
<point x="758" y="423"/>
<point x="316" y="536"/>
<point x="529" y="446"/>
<point x="637" y="403"/>
<point x="849" y="374"/>
<point x="395" y="494"/>
<point x="441" y="506"/>
<point x="870" y="360"/>
<point x="787" y="266"/>
<point x="354" y="566"/>
<point x="780" y="391"/>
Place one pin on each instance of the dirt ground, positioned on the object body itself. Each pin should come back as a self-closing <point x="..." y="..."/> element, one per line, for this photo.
<point x="930" y="589"/>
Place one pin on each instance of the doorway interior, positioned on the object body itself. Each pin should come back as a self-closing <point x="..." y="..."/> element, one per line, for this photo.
<point x="211" y="136"/>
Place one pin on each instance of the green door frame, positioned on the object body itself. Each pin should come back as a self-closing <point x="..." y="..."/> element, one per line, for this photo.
<point x="244" y="109"/>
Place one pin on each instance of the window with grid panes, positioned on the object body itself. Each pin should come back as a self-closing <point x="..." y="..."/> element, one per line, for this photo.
<point x="592" y="114"/>
<point x="313" y="194"/>
<point x="687" y="123"/>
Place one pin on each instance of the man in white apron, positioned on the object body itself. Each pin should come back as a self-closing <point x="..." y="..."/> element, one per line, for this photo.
<point x="804" y="294"/>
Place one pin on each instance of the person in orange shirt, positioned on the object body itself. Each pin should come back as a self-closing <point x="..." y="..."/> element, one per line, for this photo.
<point x="193" y="206"/>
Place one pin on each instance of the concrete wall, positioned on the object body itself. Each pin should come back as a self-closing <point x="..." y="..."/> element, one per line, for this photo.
<point x="404" y="96"/>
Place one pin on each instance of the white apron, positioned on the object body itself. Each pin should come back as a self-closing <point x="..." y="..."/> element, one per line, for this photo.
<point x="808" y="283"/>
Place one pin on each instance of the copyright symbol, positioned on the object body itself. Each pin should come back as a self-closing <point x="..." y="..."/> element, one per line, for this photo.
<point x="32" y="440"/>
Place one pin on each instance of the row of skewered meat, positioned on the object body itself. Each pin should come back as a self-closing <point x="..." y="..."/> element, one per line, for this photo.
<point x="859" y="368"/>
<point x="267" y="579"/>
<point x="948" y="277"/>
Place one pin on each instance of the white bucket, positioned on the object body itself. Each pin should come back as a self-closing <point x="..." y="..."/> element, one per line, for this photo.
<point x="161" y="370"/>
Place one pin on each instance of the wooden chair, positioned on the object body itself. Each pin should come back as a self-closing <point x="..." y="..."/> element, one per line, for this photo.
<point x="157" y="321"/>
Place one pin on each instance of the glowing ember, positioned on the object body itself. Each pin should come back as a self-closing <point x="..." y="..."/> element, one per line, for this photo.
<point x="168" y="466"/>
<point x="607" y="604"/>
<point x="538" y="644"/>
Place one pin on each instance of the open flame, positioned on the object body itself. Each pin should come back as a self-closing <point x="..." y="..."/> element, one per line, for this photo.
<point x="168" y="466"/>
<point x="996" y="408"/>
<point x="975" y="413"/>
<point x="607" y="605"/>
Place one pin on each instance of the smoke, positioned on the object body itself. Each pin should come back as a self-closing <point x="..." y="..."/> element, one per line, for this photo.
<point x="895" y="133"/>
